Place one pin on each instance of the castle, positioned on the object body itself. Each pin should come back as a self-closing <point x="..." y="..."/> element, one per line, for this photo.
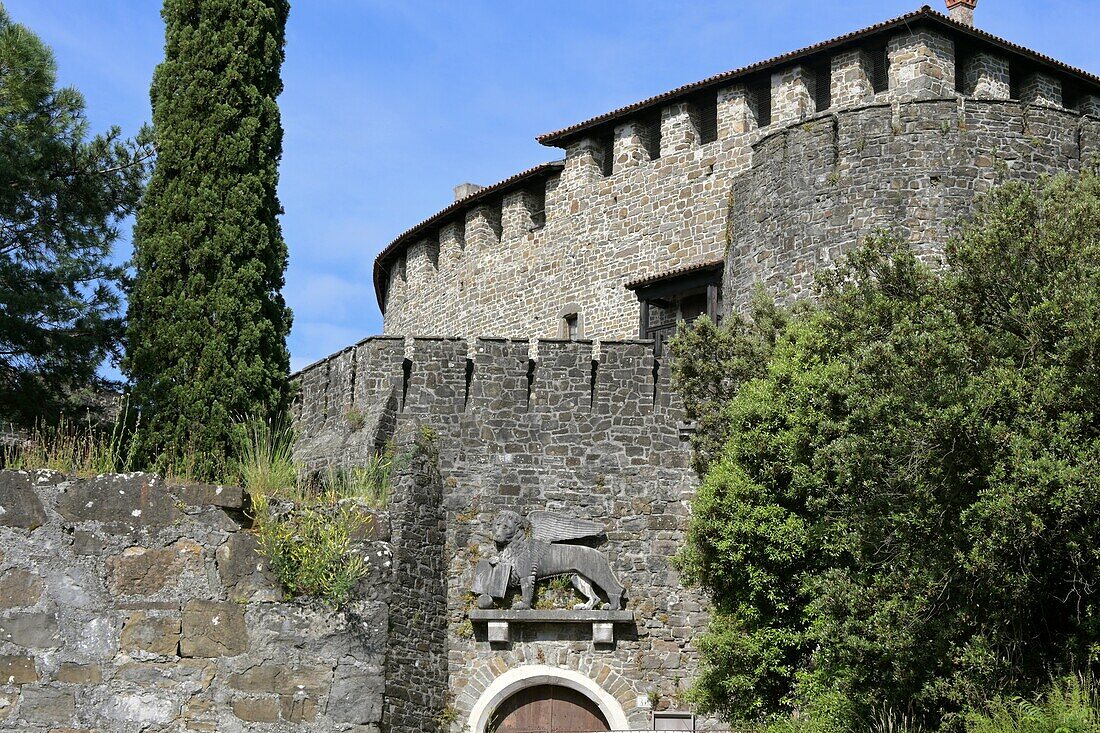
<point x="523" y="374"/>
<point x="525" y="323"/>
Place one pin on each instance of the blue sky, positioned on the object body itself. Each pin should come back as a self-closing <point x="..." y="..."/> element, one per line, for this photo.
<point x="390" y="103"/>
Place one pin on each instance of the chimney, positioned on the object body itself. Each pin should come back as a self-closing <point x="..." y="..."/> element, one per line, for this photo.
<point x="463" y="190"/>
<point x="962" y="11"/>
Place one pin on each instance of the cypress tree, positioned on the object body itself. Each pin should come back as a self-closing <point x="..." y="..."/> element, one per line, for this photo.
<point x="207" y="321"/>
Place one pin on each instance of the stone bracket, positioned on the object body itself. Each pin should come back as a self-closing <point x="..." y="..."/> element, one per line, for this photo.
<point x="499" y="621"/>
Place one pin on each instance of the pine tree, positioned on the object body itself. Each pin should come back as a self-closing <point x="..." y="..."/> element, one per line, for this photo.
<point x="62" y="196"/>
<point x="207" y="321"/>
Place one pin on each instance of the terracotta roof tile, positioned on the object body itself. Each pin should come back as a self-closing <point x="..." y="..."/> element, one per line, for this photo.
<point x="675" y="272"/>
<point x="560" y="137"/>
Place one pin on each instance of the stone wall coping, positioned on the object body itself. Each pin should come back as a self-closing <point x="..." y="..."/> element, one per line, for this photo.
<point x="562" y="616"/>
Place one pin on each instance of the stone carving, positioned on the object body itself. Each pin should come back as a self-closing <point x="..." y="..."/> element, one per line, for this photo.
<point x="538" y="548"/>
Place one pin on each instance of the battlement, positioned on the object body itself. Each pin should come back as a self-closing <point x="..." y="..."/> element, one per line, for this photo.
<point x="648" y="189"/>
<point x="349" y="404"/>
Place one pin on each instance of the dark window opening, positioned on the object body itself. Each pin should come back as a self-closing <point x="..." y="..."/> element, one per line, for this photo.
<point x="880" y="69"/>
<point x="651" y="135"/>
<point x="571" y="327"/>
<point x="823" y="87"/>
<point x="1015" y="82"/>
<point x="537" y="203"/>
<point x="961" y="62"/>
<point x="708" y="119"/>
<point x="607" y="147"/>
<point x="761" y="93"/>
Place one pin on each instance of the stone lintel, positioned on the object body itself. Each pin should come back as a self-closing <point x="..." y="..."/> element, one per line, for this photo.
<point x="558" y="616"/>
<point x="498" y="622"/>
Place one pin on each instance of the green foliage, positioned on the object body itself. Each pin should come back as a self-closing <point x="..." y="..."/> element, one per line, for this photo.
<point x="711" y="362"/>
<point x="266" y="450"/>
<point x="906" y="513"/>
<point x="308" y="531"/>
<point x="84" y="449"/>
<point x="207" y="322"/>
<point x="311" y="550"/>
<point x="1071" y="706"/>
<point x="62" y="197"/>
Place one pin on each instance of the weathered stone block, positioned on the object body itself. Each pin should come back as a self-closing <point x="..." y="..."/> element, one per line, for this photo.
<point x="79" y="674"/>
<point x="32" y="630"/>
<point x="282" y="679"/>
<point x="47" y="705"/>
<point x="257" y="710"/>
<point x="213" y="629"/>
<point x="297" y="709"/>
<point x="143" y="571"/>
<point x="17" y="670"/>
<point x="153" y="634"/>
<point x="120" y="500"/>
<point x="227" y="497"/>
<point x="19" y="588"/>
<point x="19" y="505"/>
<point x="244" y="572"/>
<point x="356" y="695"/>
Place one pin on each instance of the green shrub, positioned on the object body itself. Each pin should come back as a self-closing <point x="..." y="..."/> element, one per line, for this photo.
<point x="74" y="448"/>
<point x="310" y="549"/>
<point x="266" y="463"/>
<point x="1071" y="706"/>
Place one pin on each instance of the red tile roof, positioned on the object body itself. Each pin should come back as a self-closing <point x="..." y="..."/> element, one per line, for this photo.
<point x="562" y="137"/>
<point x="673" y="273"/>
<point x="543" y="171"/>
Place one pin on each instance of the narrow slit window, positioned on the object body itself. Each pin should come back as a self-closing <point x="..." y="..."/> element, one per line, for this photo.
<point x="823" y="87"/>
<point x="651" y="135"/>
<point x="607" y="148"/>
<point x="571" y="326"/>
<point x="762" y="95"/>
<point x="880" y="69"/>
<point x="708" y="119"/>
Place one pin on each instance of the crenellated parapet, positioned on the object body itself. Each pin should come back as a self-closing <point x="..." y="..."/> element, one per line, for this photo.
<point x="648" y="189"/>
<point x="350" y="404"/>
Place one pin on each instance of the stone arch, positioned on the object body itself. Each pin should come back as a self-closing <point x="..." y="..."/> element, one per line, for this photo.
<point x="532" y="675"/>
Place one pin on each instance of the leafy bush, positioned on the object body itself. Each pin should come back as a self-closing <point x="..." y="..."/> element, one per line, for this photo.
<point x="906" y="508"/>
<point x="1071" y="706"/>
<point x="311" y="550"/>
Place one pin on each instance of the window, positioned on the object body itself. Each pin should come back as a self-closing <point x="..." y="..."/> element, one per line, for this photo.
<point x="651" y="135"/>
<point x="762" y="97"/>
<point x="823" y="87"/>
<point x="607" y="146"/>
<point x="536" y="200"/>
<point x="571" y="327"/>
<point x="880" y="69"/>
<point x="708" y="119"/>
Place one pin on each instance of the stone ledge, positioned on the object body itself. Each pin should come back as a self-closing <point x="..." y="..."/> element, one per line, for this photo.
<point x="498" y="622"/>
<point x="564" y="616"/>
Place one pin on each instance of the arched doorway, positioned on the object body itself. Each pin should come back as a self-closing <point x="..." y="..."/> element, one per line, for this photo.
<point x="497" y="694"/>
<point x="548" y="709"/>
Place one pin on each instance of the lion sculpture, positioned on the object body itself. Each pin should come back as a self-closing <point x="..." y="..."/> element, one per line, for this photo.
<point x="544" y="552"/>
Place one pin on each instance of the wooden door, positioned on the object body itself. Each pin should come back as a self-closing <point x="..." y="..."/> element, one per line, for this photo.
<point x="548" y="709"/>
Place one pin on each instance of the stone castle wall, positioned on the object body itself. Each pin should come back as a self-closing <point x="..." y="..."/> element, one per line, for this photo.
<point x="815" y="189"/>
<point x="588" y="430"/>
<point x="912" y="154"/>
<point x="128" y="603"/>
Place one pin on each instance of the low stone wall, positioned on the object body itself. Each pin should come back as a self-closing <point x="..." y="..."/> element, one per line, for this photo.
<point x="130" y="604"/>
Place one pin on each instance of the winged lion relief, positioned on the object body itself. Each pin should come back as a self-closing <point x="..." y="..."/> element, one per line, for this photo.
<point x="539" y="548"/>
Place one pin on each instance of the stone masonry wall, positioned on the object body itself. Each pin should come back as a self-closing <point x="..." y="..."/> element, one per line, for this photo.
<point x="130" y="604"/>
<point x="587" y="429"/>
<point x="915" y="153"/>
<point x="814" y="190"/>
